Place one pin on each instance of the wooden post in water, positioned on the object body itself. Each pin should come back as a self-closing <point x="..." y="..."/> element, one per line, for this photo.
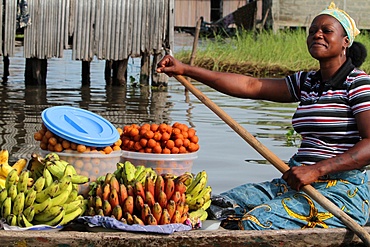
<point x="145" y="68"/>
<point x="6" y="68"/>
<point x="119" y="72"/>
<point x="85" y="73"/>
<point x="35" y="72"/>
<point x="158" y="79"/>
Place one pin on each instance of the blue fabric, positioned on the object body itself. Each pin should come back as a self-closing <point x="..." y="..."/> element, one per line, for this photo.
<point x="113" y="224"/>
<point x="273" y="205"/>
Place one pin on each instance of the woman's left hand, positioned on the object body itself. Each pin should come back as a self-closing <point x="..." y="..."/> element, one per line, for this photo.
<point x="299" y="176"/>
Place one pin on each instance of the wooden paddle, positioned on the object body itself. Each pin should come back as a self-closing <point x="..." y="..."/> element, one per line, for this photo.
<point x="277" y="162"/>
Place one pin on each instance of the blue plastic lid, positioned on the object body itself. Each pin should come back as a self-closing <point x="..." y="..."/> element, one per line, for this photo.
<point x="80" y="126"/>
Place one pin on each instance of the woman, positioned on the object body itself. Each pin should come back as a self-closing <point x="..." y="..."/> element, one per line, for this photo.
<point x="332" y="118"/>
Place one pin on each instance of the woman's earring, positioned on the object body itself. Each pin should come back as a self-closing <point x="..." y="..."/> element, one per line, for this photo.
<point x="344" y="52"/>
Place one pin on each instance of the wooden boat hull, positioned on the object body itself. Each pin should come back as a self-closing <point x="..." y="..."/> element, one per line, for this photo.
<point x="221" y="237"/>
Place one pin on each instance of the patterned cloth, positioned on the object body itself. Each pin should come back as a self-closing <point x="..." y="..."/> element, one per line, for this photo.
<point x="325" y="118"/>
<point x="347" y="22"/>
<point x="273" y="205"/>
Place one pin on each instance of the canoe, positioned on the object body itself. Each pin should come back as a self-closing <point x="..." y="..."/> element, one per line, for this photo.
<point x="220" y="237"/>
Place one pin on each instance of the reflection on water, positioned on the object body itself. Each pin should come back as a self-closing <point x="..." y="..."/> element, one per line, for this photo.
<point x="227" y="158"/>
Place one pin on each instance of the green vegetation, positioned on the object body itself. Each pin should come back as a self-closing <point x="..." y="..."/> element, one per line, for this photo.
<point x="263" y="54"/>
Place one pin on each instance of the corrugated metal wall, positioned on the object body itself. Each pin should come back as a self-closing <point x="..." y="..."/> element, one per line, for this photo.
<point x="107" y="29"/>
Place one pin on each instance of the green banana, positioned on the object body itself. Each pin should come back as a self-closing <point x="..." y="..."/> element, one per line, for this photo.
<point x="56" y="221"/>
<point x="39" y="184"/>
<point x="22" y="221"/>
<point x="12" y="220"/>
<point x="3" y="195"/>
<point x="52" y="157"/>
<point x="30" y="197"/>
<point x="48" y="192"/>
<point x="56" y="169"/>
<point x="6" y="207"/>
<point x="198" y="187"/>
<point x="198" y="214"/>
<point x="23" y="181"/>
<point x="48" y="214"/>
<point x="72" y="196"/>
<point x="69" y="207"/>
<point x="68" y="217"/>
<point x="48" y="177"/>
<point x="64" y="183"/>
<point x="128" y="173"/>
<point x="62" y="197"/>
<point x="18" y="204"/>
<point x="79" y="179"/>
<point x="69" y="170"/>
<point x="40" y="207"/>
<point x="29" y="213"/>
<point x="12" y="192"/>
<point x="139" y="169"/>
<point x="11" y="179"/>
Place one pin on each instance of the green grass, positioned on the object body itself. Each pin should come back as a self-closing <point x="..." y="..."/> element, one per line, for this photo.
<point x="261" y="54"/>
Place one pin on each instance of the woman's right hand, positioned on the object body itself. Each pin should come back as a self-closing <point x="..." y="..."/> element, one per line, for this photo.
<point x="170" y="66"/>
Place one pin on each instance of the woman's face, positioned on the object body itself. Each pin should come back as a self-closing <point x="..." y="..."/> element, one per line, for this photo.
<point x="327" y="38"/>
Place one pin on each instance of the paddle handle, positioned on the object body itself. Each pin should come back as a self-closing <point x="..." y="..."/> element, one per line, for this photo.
<point x="276" y="161"/>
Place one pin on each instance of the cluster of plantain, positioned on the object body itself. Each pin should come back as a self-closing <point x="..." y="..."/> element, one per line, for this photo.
<point x="44" y="194"/>
<point x="138" y="195"/>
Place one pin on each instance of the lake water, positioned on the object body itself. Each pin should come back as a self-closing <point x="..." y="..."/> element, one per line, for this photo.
<point x="227" y="158"/>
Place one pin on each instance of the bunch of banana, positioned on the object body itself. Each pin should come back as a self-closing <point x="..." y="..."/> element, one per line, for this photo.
<point x="198" y="196"/>
<point x="133" y="198"/>
<point x="5" y="168"/>
<point x="52" y="199"/>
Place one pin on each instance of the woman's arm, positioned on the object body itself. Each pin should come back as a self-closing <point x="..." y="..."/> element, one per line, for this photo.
<point x="230" y="83"/>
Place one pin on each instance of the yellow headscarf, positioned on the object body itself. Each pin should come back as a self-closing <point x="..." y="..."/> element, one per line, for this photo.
<point x="344" y="19"/>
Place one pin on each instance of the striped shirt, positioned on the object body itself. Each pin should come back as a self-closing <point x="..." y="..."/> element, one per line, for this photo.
<point x="325" y="116"/>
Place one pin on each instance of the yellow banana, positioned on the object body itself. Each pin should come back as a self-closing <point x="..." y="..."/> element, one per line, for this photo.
<point x="202" y="197"/>
<point x="4" y="157"/>
<point x="19" y="165"/>
<point x="2" y="182"/>
<point x="68" y="217"/>
<point x="18" y="204"/>
<point x="198" y="188"/>
<point x="48" y="214"/>
<point x="30" y="197"/>
<point x="23" y="181"/>
<point x="6" y="207"/>
<point x="200" y="175"/>
<point x="206" y="204"/>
